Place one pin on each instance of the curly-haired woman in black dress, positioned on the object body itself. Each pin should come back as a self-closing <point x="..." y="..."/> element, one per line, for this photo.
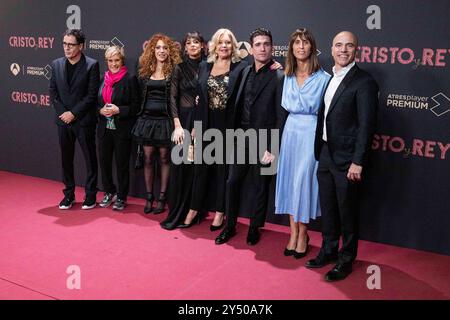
<point x="154" y="126"/>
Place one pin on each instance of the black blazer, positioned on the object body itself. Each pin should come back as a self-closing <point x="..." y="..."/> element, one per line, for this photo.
<point x="201" y="111"/>
<point x="351" y="119"/>
<point x="126" y="97"/>
<point x="80" y="96"/>
<point x="266" y="111"/>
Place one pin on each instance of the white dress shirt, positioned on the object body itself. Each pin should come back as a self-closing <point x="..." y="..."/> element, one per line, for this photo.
<point x="331" y="90"/>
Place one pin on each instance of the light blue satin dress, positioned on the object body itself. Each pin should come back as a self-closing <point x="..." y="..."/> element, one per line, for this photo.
<point x="297" y="189"/>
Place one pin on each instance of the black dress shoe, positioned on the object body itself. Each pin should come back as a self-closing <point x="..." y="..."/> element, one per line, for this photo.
<point x="168" y="225"/>
<point x="299" y="255"/>
<point x="321" y="261"/>
<point x="253" y="236"/>
<point x="225" y="235"/>
<point x="339" y="272"/>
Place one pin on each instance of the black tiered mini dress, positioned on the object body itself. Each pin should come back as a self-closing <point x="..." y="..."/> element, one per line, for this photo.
<point x="154" y="125"/>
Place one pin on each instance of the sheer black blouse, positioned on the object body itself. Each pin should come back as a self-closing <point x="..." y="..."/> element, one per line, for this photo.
<point x="183" y="87"/>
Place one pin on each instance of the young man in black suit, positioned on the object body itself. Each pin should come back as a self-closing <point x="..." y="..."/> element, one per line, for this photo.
<point x="73" y="93"/>
<point x="345" y="128"/>
<point x="258" y="106"/>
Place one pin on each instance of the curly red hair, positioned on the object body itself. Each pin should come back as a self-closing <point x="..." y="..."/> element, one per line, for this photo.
<point x="147" y="60"/>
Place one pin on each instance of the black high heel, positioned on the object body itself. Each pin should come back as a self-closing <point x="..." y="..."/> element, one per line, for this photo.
<point x="299" y="255"/>
<point x="215" y="228"/>
<point x="160" y="206"/>
<point x="149" y="204"/>
<point x="195" y="220"/>
<point x="288" y="252"/>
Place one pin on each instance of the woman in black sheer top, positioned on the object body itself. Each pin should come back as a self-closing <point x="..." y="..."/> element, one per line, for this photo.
<point x="182" y="102"/>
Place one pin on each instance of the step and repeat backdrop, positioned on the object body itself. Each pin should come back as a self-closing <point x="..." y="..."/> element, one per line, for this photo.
<point x="404" y="45"/>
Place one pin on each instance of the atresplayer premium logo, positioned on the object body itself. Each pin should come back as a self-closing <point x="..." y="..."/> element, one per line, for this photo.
<point x="40" y="71"/>
<point x="439" y="104"/>
<point x="32" y="70"/>
<point x="282" y="51"/>
<point x="105" y="44"/>
<point x="442" y="105"/>
<point x="278" y="50"/>
<point x="15" y="69"/>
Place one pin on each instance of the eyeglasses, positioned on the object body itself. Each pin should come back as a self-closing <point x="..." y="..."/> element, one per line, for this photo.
<point x="69" y="45"/>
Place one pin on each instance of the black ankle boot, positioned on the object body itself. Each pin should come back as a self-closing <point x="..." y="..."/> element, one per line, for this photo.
<point x="160" y="206"/>
<point x="149" y="204"/>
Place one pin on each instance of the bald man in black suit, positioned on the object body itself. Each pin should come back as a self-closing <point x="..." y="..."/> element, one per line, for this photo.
<point x="345" y="128"/>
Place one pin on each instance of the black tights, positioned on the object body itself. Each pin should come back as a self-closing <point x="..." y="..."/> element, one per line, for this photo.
<point x="149" y="167"/>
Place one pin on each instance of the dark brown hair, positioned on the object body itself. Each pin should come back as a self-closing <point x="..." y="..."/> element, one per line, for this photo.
<point x="260" y="32"/>
<point x="291" y="61"/>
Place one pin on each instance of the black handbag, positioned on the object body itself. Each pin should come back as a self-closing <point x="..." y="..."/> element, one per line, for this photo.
<point x="139" y="163"/>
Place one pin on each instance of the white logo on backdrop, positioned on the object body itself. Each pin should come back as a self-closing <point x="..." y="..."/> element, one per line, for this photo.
<point x="15" y="69"/>
<point x="244" y="49"/>
<point x="442" y="104"/>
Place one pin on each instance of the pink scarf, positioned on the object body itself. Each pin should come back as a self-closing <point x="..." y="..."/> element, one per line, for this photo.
<point x="110" y="80"/>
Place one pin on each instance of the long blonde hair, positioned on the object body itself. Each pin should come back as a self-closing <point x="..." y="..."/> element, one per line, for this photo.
<point x="212" y="45"/>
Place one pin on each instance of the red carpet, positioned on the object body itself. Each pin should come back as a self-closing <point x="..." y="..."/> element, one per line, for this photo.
<point x="128" y="256"/>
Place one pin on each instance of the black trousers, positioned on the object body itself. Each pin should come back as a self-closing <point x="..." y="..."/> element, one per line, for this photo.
<point x="115" y="144"/>
<point x="339" y="204"/>
<point x="86" y="139"/>
<point x="260" y="187"/>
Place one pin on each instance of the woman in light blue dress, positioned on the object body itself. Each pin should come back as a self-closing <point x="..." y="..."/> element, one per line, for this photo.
<point x="297" y="186"/>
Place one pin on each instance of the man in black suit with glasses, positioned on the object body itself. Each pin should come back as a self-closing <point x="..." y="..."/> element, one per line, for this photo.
<point x="73" y="93"/>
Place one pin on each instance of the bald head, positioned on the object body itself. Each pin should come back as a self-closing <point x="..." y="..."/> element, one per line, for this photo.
<point x="348" y="35"/>
<point x="344" y="48"/>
